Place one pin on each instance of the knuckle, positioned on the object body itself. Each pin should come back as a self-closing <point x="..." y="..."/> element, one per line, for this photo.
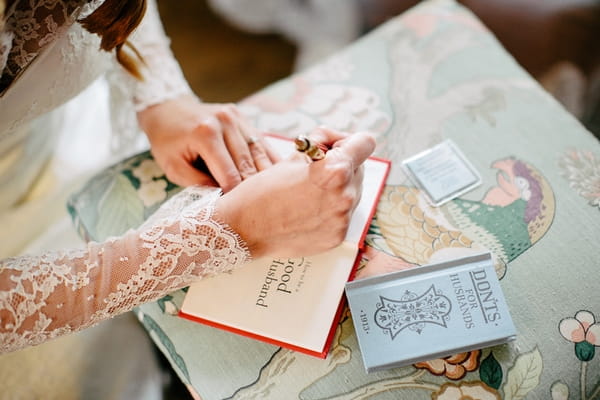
<point x="332" y="180"/>
<point x="341" y="163"/>
<point x="341" y="172"/>
<point x="346" y="200"/>
<point x="262" y="161"/>
<point x="257" y="151"/>
<point x="345" y="221"/>
<point x="171" y="172"/>
<point x="231" y="174"/>
<point x="228" y="110"/>
<point x="231" y="179"/>
<point x="208" y="128"/>
<point x="347" y="163"/>
<point x="336" y="238"/>
<point x="232" y="108"/>
<point x="245" y="161"/>
<point x="167" y="167"/>
<point x="246" y="167"/>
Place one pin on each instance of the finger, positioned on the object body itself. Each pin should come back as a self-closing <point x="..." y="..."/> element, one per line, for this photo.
<point x="249" y="131"/>
<point x="215" y="154"/>
<point x="184" y="174"/>
<point x="357" y="183"/>
<point x="342" y="162"/>
<point x="271" y="152"/>
<point x="358" y="176"/>
<point x="336" y="170"/>
<point x="262" y="153"/>
<point x="237" y="144"/>
<point x="358" y="147"/>
<point x="327" y="136"/>
<point x="259" y="155"/>
<point x="350" y="193"/>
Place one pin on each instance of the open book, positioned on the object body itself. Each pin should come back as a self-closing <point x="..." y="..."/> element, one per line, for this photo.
<point x="293" y="303"/>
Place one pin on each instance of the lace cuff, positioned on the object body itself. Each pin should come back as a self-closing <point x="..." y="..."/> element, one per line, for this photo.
<point x="42" y="297"/>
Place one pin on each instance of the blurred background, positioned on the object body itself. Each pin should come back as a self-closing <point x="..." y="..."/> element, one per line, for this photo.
<point x="229" y="49"/>
<point x="223" y="63"/>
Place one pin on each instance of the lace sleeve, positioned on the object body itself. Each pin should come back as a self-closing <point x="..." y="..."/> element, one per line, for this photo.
<point x="163" y="78"/>
<point x="42" y="297"/>
<point x="27" y="27"/>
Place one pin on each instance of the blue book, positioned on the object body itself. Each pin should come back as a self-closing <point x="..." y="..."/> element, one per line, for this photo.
<point x="429" y="312"/>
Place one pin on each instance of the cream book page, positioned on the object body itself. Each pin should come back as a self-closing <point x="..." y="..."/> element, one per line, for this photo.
<point x="291" y="301"/>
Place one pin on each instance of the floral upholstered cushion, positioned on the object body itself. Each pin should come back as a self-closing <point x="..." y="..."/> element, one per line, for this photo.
<point x="120" y="197"/>
<point x="432" y="73"/>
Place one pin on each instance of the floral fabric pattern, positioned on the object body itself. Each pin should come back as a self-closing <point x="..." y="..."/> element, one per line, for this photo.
<point x="453" y="367"/>
<point x="407" y="82"/>
<point x="582" y="170"/>
<point x="584" y="331"/>
<point x="464" y="391"/>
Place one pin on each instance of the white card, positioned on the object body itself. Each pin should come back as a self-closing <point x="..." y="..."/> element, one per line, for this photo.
<point x="442" y="173"/>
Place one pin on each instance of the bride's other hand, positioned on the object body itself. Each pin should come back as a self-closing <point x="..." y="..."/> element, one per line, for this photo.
<point x="298" y="207"/>
<point x="184" y="131"/>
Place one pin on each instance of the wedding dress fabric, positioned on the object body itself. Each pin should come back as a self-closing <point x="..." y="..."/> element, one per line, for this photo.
<point x="46" y="58"/>
<point x="62" y="291"/>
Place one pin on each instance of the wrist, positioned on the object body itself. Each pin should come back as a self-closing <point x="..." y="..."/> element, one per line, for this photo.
<point x="232" y="216"/>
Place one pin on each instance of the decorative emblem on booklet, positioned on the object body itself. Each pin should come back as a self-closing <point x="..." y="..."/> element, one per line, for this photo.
<point x="412" y="311"/>
<point x="429" y="312"/>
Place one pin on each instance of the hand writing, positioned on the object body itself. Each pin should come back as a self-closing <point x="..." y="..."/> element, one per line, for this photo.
<point x="298" y="208"/>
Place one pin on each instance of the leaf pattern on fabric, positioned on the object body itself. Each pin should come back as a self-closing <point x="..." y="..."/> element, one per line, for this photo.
<point x="524" y="375"/>
<point x="582" y="169"/>
<point x="120" y="207"/>
<point x="490" y="371"/>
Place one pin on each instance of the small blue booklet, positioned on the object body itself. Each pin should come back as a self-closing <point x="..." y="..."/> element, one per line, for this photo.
<point x="429" y="312"/>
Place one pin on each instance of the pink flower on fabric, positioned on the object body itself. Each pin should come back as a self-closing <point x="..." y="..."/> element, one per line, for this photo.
<point x="584" y="331"/>
<point x="582" y="327"/>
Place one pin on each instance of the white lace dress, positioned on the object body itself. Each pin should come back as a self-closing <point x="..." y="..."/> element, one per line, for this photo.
<point x="46" y="58"/>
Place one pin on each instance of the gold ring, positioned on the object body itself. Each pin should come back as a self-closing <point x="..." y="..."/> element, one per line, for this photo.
<point x="252" y="140"/>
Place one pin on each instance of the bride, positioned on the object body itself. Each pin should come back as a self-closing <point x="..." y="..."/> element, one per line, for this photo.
<point x="50" y="51"/>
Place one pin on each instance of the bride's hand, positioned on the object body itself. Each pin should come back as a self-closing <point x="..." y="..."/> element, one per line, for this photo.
<point x="183" y="130"/>
<point x="299" y="208"/>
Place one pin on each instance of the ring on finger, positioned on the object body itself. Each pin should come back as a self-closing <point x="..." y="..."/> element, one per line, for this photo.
<point x="252" y="140"/>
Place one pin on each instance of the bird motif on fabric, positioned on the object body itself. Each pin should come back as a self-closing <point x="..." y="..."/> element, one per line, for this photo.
<point x="510" y="218"/>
